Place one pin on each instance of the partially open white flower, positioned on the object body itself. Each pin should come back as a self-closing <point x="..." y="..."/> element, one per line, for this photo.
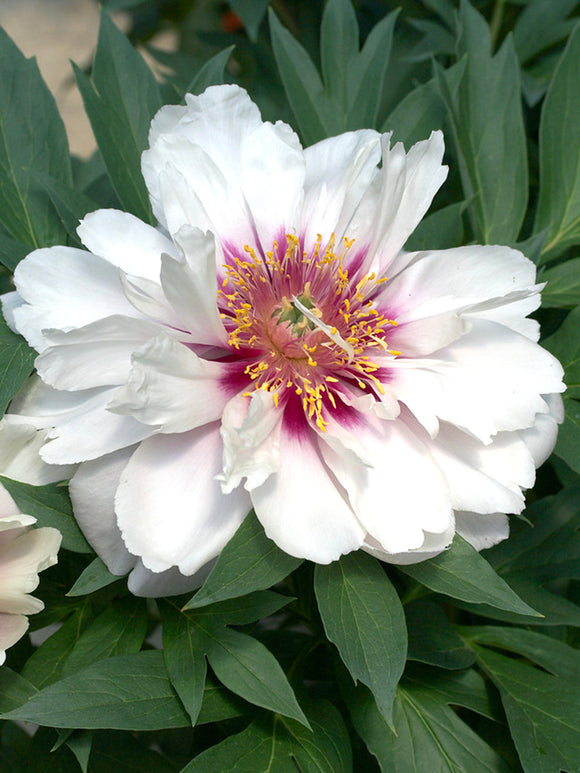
<point x="24" y="552"/>
<point x="270" y="345"/>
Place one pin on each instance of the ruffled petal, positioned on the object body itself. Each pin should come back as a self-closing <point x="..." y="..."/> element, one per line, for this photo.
<point x="20" y="459"/>
<point x="95" y="355"/>
<point x="125" y="241"/>
<point x="65" y="288"/>
<point x="171" y="388"/>
<point x="20" y="562"/>
<point x="170" y="509"/>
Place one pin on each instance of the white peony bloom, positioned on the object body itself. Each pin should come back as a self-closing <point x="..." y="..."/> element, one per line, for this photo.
<point x="270" y="345"/>
<point x="24" y="552"/>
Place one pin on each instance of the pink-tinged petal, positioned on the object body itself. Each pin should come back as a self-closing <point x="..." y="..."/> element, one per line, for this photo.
<point x="432" y="546"/>
<point x="484" y="478"/>
<point x="482" y="531"/>
<point x="492" y="380"/>
<point x="402" y="495"/>
<point x="301" y="506"/>
<point x="272" y="179"/>
<point x="95" y="355"/>
<point x="541" y="438"/>
<point x="66" y="288"/>
<point x="398" y="198"/>
<point x="12" y="629"/>
<point x="20" y="459"/>
<point x="190" y="285"/>
<point x="92" y="490"/>
<point x="170" y="508"/>
<point x="171" y="388"/>
<point x="125" y="241"/>
<point x="251" y="436"/>
<point x="338" y="172"/>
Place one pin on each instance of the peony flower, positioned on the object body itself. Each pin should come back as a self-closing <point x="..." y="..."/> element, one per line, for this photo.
<point x="271" y="345"/>
<point x="24" y="552"/>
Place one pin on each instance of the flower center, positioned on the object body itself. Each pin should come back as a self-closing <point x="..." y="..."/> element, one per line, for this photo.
<point x="303" y="325"/>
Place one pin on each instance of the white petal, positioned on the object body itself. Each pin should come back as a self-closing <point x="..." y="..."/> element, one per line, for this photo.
<point x="171" y="388"/>
<point x="251" y="436"/>
<point x="148" y="298"/>
<point x="170" y="508"/>
<point x="125" y="241"/>
<point x="432" y="546"/>
<point x="541" y="438"/>
<point x="338" y="172"/>
<point x="66" y="288"/>
<point x="20" y="562"/>
<point x="20" y="459"/>
<point x="493" y="380"/>
<point x="421" y="337"/>
<point x="190" y="285"/>
<point x="402" y="495"/>
<point x="144" y="582"/>
<point x="398" y="198"/>
<point x="92" y="491"/>
<point x="484" y="478"/>
<point x="95" y="355"/>
<point x="482" y="531"/>
<point x="12" y="628"/>
<point x="301" y="506"/>
<point x="272" y="179"/>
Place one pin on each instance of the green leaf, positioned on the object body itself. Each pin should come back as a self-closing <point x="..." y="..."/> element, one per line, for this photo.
<point x="219" y="704"/>
<point x="184" y="649"/>
<point x="71" y="205"/>
<point x="462" y="573"/>
<point x="249" y="562"/>
<point x="251" y="12"/>
<point x="93" y="578"/>
<point x="12" y="251"/>
<point x="32" y="139"/>
<point x="432" y="639"/>
<point x="370" y="66"/>
<point x="120" y="104"/>
<point x="16" y="363"/>
<point x="51" y="506"/>
<point x="127" y="692"/>
<point x="549" y="653"/>
<point x="542" y="710"/>
<point x="429" y="735"/>
<point x="363" y="617"/>
<point x="46" y="664"/>
<point x="440" y="230"/>
<point x="241" y="611"/>
<point x="248" y="669"/>
<point x="559" y="199"/>
<point x="568" y="444"/>
<point x="14" y="690"/>
<point x="316" y="115"/>
<point x="118" y="752"/>
<point x="540" y="25"/>
<point x="488" y="130"/>
<point x="563" y="288"/>
<point x="338" y="46"/>
<point x="211" y="73"/>
<point x="119" y="630"/>
<point x="565" y="346"/>
<point x="283" y="746"/>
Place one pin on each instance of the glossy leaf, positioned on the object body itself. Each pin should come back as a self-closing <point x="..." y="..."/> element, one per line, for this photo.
<point x="93" y="578"/>
<point x="284" y="746"/>
<point x="543" y="713"/>
<point x="462" y="573"/>
<point x="51" y="506"/>
<point x="32" y="139"/>
<point x="559" y="200"/>
<point x="120" y="103"/>
<point x="16" y="363"/>
<point x="363" y="617"/>
<point x="249" y="562"/>
<point x="128" y="692"/>
<point x="432" y="639"/>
